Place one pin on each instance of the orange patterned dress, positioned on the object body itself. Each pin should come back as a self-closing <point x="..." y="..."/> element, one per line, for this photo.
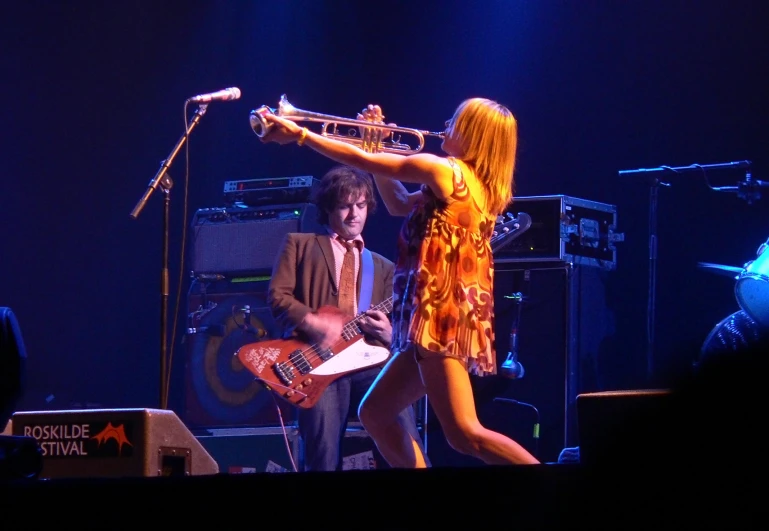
<point x="443" y="280"/>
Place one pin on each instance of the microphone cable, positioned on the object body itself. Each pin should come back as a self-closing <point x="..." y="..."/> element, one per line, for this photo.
<point x="535" y="429"/>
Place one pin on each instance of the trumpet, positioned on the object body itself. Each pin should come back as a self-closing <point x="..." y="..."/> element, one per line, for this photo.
<point x="374" y="137"/>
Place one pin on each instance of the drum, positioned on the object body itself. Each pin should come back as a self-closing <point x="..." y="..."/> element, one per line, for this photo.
<point x="752" y="287"/>
<point x="733" y="333"/>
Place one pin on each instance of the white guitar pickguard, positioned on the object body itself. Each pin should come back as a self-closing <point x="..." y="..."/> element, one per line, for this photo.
<point x="359" y="355"/>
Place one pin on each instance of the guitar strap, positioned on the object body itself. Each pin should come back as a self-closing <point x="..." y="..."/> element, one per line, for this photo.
<point x="367" y="280"/>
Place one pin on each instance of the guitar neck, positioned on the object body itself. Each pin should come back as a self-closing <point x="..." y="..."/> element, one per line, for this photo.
<point x="386" y="306"/>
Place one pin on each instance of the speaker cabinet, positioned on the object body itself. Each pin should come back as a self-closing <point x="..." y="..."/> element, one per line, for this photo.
<point x="563" y="323"/>
<point x="219" y="391"/>
<point x="613" y="423"/>
<point x="13" y="364"/>
<point x="238" y="240"/>
<point x="114" y="443"/>
<point x="254" y="450"/>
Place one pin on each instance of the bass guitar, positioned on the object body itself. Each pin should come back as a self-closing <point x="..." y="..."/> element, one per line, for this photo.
<point x="299" y="372"/>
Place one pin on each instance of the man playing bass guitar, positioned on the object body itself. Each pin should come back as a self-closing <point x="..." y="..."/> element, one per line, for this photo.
<point x="314" y="273"/>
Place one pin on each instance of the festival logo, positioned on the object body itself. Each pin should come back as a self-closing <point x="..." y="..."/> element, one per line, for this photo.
<point x="76" y="440"/>
<point x="113" y="433"/>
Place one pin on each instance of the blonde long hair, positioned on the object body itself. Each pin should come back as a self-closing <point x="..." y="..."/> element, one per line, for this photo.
<point x="489" y="135"/>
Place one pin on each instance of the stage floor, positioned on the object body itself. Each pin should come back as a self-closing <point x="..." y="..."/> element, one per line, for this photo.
<point x="525" y="497"/>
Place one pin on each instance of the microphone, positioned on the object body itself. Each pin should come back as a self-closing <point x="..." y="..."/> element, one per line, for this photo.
<point x="742" y="185"/>
<point x="258" y="332"/>
<point x="228" y="94"/>
<point x="748" y="189"/>
<point x="511" y="368"/>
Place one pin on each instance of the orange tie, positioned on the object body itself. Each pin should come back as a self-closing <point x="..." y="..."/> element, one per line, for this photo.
<point x="347" y="281"/>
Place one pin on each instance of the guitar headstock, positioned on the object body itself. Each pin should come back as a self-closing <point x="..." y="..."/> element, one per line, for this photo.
<point x="508" y="228"/>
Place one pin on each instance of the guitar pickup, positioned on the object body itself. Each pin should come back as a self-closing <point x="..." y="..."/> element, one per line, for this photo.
<point x="326" y="354"/>
<point x="298" y="359"/>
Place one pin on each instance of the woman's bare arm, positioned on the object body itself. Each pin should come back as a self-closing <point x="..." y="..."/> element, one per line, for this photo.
<point x="422" y="168"/>
<point x="397" y="199"/>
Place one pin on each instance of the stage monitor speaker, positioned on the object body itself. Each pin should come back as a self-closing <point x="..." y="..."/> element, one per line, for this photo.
<point x="220" y="392"/>
<point x="114" y="443"/>
<point x="564" y="322"/>
<point x="13" y="364"/>
<point x="612" y="424"/>
<point x="242" y="240"/>
<point x="20" y="457"/>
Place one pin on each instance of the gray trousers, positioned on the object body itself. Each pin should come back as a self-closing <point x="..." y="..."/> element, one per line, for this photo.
<point x="323" y="426"/>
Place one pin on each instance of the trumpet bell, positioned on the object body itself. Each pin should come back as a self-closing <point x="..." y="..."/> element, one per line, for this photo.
<point x="362" y="133"/>
<point x="258" y="124"/>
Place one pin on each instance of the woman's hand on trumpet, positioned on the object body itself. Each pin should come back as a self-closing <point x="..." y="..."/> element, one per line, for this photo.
<point x="283" y="131"/>
<point x="373" y="113"/>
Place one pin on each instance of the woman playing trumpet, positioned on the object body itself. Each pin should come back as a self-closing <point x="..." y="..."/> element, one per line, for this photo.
<point x="443" y="309"/>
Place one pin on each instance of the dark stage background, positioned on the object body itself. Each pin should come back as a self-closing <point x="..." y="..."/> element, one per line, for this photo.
<point x="94" y="95"/>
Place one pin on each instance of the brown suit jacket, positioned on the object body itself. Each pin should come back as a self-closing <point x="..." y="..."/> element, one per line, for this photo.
<point x="303" y="279"/>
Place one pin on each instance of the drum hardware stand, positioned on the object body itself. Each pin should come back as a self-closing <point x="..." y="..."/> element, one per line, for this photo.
<point x="651" y="308"/>
<point x="163" y="181"/>
<point x="655" y="183"/>
<point x="748" y="189"/>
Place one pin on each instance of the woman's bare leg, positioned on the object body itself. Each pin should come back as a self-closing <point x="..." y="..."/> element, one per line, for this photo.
<point x="397" y="387"/>
<point x="451" y="396"/>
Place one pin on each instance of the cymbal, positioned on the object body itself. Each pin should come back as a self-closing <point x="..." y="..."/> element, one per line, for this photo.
<point x="725" y="270"/>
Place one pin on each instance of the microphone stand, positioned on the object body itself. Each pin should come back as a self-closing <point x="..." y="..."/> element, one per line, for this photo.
<point x="690" y="167"/>
<point x="165" y="183"/>
<point x="655" y="183"/>
<point x="651" y="307"/>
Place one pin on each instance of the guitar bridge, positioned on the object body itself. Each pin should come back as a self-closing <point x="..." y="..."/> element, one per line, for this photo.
<point x="285" y="372"/>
